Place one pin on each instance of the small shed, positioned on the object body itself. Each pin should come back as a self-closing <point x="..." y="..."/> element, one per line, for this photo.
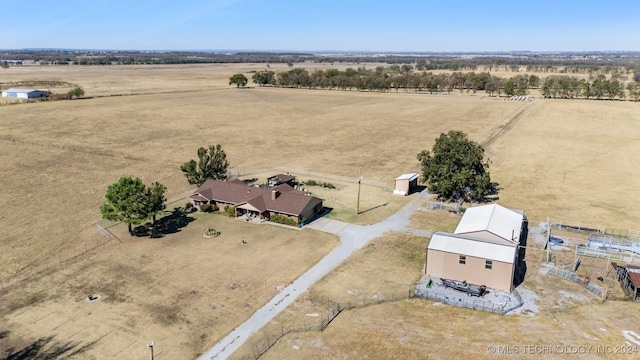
<point x="23" y="93"/>
<point x="629" y="279"/>
<point x="406" y="184"/>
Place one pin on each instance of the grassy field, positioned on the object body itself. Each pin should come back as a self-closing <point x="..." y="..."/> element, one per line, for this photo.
<point x="567" y="159"/>
<point x="59" y="157"/>
<point x="183" y="290"/>
<point x="558" y="313"/>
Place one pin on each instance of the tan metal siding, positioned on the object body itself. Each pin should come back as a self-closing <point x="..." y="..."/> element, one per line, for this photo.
<point x="446" y="265"/>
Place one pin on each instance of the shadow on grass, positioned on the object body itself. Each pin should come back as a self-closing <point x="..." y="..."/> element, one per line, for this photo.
<point x="46" y="348"/>
<point x="169" y="224"/>
<point x="417" y="189"/>
<point x="373" y="208"/>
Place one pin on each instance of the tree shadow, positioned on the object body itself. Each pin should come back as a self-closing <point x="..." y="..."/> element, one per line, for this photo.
<point x="46" y="348"/>
<point x="171" y="223"/>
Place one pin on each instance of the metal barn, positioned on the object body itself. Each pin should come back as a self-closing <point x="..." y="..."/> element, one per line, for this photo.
<point x="23" y="93"/>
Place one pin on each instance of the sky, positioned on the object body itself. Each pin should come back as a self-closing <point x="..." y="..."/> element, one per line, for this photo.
<point x="329" y="25"/>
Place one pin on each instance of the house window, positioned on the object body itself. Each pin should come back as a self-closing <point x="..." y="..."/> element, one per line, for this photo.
<point x="463" y="259"/>
<point x="488" y="264"/>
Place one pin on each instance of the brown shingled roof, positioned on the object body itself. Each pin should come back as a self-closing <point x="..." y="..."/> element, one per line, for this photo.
<point x="288" y="200"/>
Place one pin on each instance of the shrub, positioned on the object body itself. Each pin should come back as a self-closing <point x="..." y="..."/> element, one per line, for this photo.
<point x="188" y="206"/>
<point x="211" y="232"/>
<point x="230" y="211"/>
<point x="317" y="183"/>
<point x="280" y="219"/>
<point x="205" y="207"/>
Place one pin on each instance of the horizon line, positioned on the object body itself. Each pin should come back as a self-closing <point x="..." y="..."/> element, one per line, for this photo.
<point x="386" y="52"/>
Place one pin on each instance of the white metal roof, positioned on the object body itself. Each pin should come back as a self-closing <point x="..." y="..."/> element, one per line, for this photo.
<point x="493" y="218"/>
<point x="469" y="246"/>
<point x="19" y="90"/>
<point x="410" y="177"/>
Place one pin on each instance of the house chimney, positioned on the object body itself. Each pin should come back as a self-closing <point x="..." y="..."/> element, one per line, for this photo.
<point x="274" y="194"/>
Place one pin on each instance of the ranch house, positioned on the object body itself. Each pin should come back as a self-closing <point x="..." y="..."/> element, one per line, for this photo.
<point x="259" y="200"/>
<point x="487" y="248"/>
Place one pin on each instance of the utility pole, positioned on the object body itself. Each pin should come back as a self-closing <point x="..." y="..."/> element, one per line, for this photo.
<point x="150" y="346"/>
<point x="358" y="202"/>
<point x="548" y="243"/>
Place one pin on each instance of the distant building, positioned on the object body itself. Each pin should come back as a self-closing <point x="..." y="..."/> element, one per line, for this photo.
<point x="487" y="248"/>
<point x="23" y="93"/>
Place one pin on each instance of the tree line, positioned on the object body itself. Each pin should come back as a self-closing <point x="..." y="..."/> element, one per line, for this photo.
<point x="569" y="62"/>
<point x="396" y="78"/>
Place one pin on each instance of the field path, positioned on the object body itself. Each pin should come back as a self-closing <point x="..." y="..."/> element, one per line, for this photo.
<point x="509" y="122"/>
<point x="352" y="238"/>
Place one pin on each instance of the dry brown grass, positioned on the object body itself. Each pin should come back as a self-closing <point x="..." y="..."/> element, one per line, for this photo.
<point x="60" y="156"/>
<point x="565" y="159"/>
<point x="183" y="291"/>
<point x="572" y="160"/>
<point x="418" y="329"/>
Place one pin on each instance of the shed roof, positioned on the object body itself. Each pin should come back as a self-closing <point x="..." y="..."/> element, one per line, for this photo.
<point x="410" y="177"/>
<point x="493" y="218"/>
<point x="634" y="274"/>
<point x="468" y="246"/>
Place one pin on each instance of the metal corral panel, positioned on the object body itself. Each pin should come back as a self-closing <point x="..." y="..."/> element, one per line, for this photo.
<point x="456" y="244"/>
<point x="493" y="218"/>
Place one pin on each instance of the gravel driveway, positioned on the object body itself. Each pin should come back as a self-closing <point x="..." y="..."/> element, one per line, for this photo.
<point x="352" y="238"/>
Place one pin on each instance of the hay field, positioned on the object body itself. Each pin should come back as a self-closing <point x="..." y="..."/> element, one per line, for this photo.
<point x="572" y="160"/>
<point x="551" y="158"/>
<point x="59" y="157"/>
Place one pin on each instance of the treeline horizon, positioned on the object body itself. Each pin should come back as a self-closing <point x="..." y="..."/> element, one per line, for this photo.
<point x="404" y="78"/>
<point x="575" y="61"/>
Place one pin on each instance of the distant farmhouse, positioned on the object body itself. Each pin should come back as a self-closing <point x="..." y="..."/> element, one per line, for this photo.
<point x="279" y="197"/>
<point x="23" y="93"/>
<point x="487" y="248"/>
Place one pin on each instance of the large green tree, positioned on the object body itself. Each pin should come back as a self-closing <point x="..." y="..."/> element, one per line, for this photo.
<point x="263" y="78"/>
<point x="156" y="199"/>
<point x="454" y="169"/>
<point x="127" y="201"/>
<point x="238" y="79"/>
<point x="76" y="92"/>
<point x="212" y="164"/>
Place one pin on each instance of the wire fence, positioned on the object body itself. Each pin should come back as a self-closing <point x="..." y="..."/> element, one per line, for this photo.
<point x="270" y="337"/>
<point x="439" y="205"/>
<point x="585" y="282"/>
<point x="475" y="304"/>
<point x="76" y="247"/>
<point x="97" y="236"/>
<point x="577" y="226"/>
<point x="308" y="173"/>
